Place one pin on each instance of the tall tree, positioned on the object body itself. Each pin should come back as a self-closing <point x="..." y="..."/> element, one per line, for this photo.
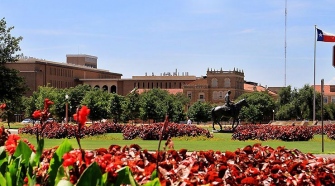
<point x="261" y="106"/>
<point x="116" y="106"/>
<point x="12" y="86"/>
<point x="200" y="111"/>
<point x="9" y="45"/>
<point x="99" y="103"/>
<point x="131" y="106"/>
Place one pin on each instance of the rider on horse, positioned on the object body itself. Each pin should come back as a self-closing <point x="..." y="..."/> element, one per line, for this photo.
<point x="227" y="100"/>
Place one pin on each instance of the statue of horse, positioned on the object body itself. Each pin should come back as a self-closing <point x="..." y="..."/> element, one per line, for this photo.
<point x="223" y="112"/>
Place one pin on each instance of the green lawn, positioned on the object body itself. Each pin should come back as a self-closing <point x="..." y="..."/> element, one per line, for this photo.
<point x="221" y="142"/>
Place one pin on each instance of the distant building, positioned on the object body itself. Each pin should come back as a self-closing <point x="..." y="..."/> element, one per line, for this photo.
<point x="213" y="87"/>
<point x="82" y="69"/>
<point x="39" y="72"/>
<point x="328" y="93"/>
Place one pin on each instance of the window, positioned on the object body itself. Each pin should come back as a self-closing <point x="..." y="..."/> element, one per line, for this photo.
<point x="214" y="82"/>
<point x="226" y="82"/>
<point x="215" y="95"/>
<point x="220" y="95"/>
<point x="325" y="99"/>
<point x="201" y="97"/>
<point x="333" y="99"/>
<point x="189" y="94"/>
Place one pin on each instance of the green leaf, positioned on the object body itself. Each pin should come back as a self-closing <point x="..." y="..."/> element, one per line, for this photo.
<point x="39" y="152"/>
<point x="64" y="183"/>
<point x="2" y="152"/>
<point x="125" y="177"/>
<point x="154" y="182"/>
<point x="3" y="181"/>
<point x="3" y="160"/>
<point x="154" y="175"/>
<point x="56" y="160"/>
<point x="91" y="176"/>
<point x="13" y="170"/>
<point x="8" y="178"/>
<point x="60" y="174"/>
<point x="104" y="181"/>
<point x="34" y="161"/>
<point x="23" y="150"/>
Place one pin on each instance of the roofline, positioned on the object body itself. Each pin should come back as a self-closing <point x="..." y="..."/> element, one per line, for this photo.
<point x="81" y="55"/>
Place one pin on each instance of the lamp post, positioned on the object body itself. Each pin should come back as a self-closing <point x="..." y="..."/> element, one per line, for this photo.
<point x="273" y="115"/>
<point x="66" y="109"/>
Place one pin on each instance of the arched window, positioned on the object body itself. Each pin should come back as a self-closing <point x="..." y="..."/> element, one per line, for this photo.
<point x="189" y="94"/>
<point x="113" y="89"/>
<point x="214" y="82"/>
<point x="105" y="88"/>
<point x="201" y="96"/>
<point x="226" y="82"/>
<point x="220" y="95"/>
<point x="215" y="95"/>
<point x="97" y="87"/>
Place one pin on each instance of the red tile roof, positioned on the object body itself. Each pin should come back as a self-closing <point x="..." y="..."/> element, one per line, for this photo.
<point x="251" y="88"/>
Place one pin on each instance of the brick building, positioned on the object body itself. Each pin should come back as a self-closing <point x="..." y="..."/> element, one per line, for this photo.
<point x="213" y="87"/>
<point x="82" y="69"/>
<point x="39" y="72"/>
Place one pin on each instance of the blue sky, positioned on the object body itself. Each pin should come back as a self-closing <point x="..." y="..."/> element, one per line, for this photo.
<point x="134" y="37"/>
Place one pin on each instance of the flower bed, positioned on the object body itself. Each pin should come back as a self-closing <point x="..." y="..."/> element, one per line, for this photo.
<point x="284" y="133"/>
<point x="145" y="132"/>
<point x="251" y="165"/>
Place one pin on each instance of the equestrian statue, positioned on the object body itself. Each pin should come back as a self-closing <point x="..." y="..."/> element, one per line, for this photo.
<point x="227" y="111"/>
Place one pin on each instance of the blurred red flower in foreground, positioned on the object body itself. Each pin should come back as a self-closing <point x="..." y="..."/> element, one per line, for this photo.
<point x="47" y="103"/>
<point x="37" y="114"/>
<point x="11" y="143"/>
<point x="3" y="106"/>
<point x="81" y="117"/>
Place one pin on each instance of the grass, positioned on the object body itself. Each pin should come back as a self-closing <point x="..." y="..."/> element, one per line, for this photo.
<point x="221" y="142"/>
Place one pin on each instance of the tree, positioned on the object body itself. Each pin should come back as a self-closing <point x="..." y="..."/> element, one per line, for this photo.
<point x="200" y="112"/>
<point x="131" y="106"/>
<point x="98" y="101"/>
<point x="305" y="102"/>
<point x="154" y="105"/>
<point x="11" y="85"/>
<point x="116" y="106"/>
<point x="76" y="95"/>
<point x="261" y="106"/>
<point x="9" y="45"/>
<point x="329" y="111"/>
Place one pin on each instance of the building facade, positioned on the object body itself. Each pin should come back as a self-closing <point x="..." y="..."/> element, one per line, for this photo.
<point x="39" y="72"/>
<point x="82" y="69"/>
<point x="213" y="87"/>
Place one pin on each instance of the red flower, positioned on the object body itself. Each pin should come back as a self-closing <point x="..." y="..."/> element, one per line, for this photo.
<point x="11" y="143"/>
<point x="3" y="106"/>
<point x="37" y="114"/>
<point x="249" y="181"/>
<point x="72" y="157"/>
<point x="81" y="117"/>
<point x="47" y="103"/>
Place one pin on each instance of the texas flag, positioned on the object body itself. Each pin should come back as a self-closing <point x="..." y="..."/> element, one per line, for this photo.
<point x="325" y="37"/>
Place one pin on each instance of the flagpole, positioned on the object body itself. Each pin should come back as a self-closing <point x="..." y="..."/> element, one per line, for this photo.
<point x="314" y="72"/>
